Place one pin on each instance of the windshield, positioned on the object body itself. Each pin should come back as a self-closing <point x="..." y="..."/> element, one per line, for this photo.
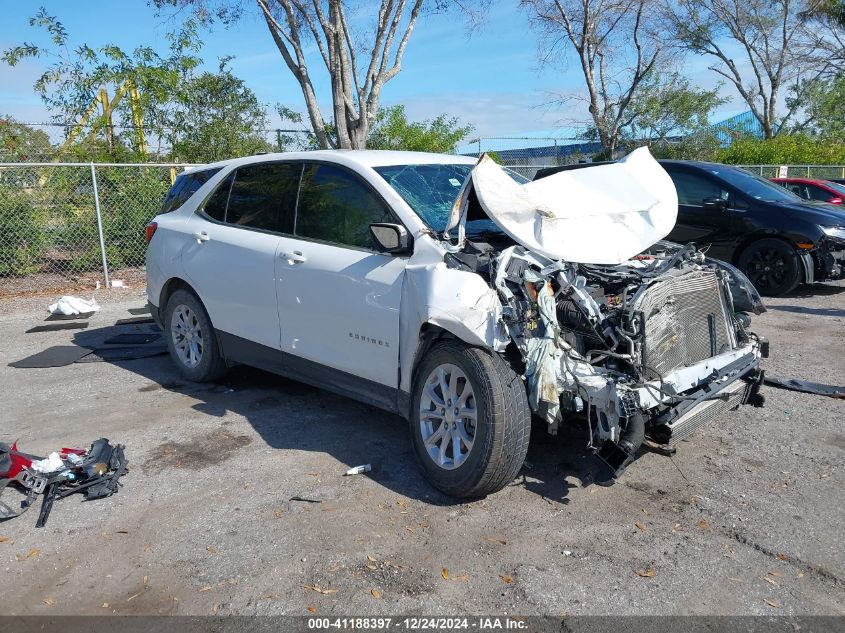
<point x="840" y="189"/>
<point x="755" y="186"/>
<point x="431" y="190"/>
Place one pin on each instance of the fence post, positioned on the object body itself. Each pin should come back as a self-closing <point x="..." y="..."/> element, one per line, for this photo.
<point x="100" y="225"/>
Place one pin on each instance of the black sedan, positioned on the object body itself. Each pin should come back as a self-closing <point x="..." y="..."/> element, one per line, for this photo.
<point x="778" y="239"/>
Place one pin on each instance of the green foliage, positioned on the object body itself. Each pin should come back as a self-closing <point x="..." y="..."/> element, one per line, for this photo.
<point x="218" y="117"/>
<point x="823" y="103"/>
<point x="392" y="130"/>
<point x="782" y="150"/>
<point x="21" y="234"/>
<point x="129" y="199"/>
<point x="203" y="117"/>
<point x="703" y="145"/>
<point x="21" y="143"/>
<point x="668" y="105"/>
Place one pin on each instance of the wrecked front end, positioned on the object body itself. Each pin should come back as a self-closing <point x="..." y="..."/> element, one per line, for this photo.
<point x="643" y="340"/>
<point x="653" y="347"/>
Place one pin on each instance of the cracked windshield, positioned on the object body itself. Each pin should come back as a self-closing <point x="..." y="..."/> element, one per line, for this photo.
<point x="430" y="190"/>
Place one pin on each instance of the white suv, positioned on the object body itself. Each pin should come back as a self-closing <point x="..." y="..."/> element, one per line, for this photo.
<point x="458" y="295"/>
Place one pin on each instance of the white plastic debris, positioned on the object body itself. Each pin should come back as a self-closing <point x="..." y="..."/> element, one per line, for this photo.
<point x="118" y="283"/>
<point x="69" y="306"/>
<point x="359" y="470"/>
<point x="49" y="464"/>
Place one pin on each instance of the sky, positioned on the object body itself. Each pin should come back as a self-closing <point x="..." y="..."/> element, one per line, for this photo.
<point x="490" y="78"/>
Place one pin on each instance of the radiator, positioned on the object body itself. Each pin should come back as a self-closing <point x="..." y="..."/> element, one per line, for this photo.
<point x="686" y="321"/>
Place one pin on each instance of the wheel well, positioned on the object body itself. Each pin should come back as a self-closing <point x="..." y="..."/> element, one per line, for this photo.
<point x="748" y="241"/>
<point x="805" y="273"/>
<point x="171" y="286"/>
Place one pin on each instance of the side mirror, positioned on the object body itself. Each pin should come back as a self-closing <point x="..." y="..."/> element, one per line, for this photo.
<point x="390" y="238"/>
<point x="835" y="200"/>
<point x="714" y="204"/>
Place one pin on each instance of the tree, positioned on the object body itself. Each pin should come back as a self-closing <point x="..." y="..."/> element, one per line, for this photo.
<point x="392" y="130"/>
<point x="202" y="117"/>
<point x="76" y="76"/>
<point x="21" y="143"/>
<point x="358" y="66"/>
<point x="617" y="49"/>
<point x="822" y="101"/>
<point x="217" y="117"/>
<point x="669" y="106"/>
<point x="771" y="37"/>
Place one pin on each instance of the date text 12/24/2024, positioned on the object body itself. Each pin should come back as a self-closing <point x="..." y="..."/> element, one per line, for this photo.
<point x="419" y="623"/>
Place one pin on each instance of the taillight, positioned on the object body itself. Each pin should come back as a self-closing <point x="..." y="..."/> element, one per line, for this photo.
<point x="150" y="231"/>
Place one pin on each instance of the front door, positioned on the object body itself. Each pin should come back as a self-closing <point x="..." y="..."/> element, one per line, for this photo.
<point x="338" y="297"/>
<point x="709" y="229"/>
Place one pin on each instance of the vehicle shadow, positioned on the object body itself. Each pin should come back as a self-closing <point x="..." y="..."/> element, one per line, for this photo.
<point x="807" y="291"/>
<point x="294" y="416"/>
<point x="831" y="312"/>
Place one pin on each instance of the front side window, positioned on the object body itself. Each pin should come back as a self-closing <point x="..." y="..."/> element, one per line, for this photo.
<point x="694" y="189"/>
<point x="185" y="186"/>
<point x="752" y="185"/>
<point x="335" y="206"/>
<point x="817" y="193"/>
<point x="264" y="196"/>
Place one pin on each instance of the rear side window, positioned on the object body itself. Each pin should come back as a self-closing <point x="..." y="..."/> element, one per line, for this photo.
<point x="264" y="196"/>
<point x="335" y="206"/>
<point x="184" y="187"/>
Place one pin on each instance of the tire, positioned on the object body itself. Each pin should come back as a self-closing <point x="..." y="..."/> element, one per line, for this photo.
<point x="772" y="265"/>
<point x="499" y="437"/>
<point x="201" y="362"/>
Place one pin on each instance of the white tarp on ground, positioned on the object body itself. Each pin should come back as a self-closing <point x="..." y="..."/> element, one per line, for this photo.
<point x="595" y="215"/>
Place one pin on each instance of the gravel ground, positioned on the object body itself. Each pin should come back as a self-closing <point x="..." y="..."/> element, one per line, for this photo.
<point x="746" y="518"/>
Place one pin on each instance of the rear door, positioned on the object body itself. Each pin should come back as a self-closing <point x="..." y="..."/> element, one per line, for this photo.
<point x="231" y="260"/>
<point x="338" y="296"/>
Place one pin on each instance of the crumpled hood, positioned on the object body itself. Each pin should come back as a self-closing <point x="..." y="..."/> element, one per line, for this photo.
<point x="597" y="215"/>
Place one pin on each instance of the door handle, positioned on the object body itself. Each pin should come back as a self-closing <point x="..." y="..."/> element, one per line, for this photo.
<point x="296" y="257"/>
<point x="202" y="236"/>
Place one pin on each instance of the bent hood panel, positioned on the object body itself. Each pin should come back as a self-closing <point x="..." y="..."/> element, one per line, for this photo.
<point x="595" y="215"/>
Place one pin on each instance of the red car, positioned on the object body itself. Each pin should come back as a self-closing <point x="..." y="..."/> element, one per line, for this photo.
<point x="814" y="189"/>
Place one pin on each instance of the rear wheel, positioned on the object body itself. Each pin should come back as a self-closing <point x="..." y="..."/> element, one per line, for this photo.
<point x="772" y="266"/>
<point x="470" y="421"/>
<point x="191" y="339"/>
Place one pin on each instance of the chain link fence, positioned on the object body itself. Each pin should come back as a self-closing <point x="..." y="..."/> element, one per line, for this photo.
<point x="64" y="224"/>
<point x="820" y="172"/>
<point x="71" y="225"/>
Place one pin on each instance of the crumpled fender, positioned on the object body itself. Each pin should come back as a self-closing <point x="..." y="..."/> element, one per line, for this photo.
<point x="460" y="302"/>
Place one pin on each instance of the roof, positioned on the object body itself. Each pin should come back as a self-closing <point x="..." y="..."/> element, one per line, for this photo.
<point x="354" y="157"/>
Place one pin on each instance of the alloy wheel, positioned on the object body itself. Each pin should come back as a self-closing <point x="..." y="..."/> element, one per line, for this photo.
<point x="448" y="416"/>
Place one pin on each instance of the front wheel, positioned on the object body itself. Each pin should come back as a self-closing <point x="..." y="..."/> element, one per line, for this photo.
<point x="772" y="265"/>
<point x="470" y="421"/>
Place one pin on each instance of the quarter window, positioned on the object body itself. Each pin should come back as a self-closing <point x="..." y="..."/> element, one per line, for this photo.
<point x="184" y="187"/>
<point x="335" y="206"/>
<point x="215" y="206"/>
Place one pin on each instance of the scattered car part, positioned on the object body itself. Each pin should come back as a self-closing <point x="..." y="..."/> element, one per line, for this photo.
<point x="358" y="470"/>
<point x="96" y="472"/>
<point x="806" y="386"/>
